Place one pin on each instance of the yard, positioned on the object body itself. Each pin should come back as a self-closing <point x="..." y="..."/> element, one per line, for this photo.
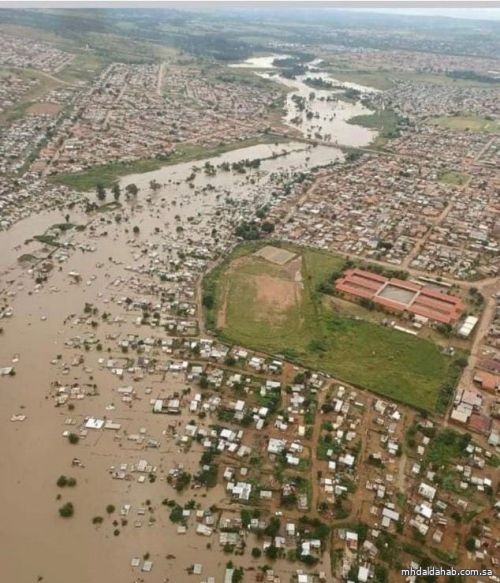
<point x="279" y="310"/>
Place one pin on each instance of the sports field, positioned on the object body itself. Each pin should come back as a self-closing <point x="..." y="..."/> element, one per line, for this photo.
<point x="278" y="309"/>
<point x="473" y="123"/>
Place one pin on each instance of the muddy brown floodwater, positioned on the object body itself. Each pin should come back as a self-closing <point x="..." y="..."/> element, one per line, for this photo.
<point x="325" y="113"/>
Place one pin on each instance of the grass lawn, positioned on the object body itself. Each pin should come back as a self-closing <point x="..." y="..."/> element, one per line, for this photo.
<point x="304" y="329"/>
<point x="454" y="178"/>
<point x="383" y="79"/>
<point x="473" y="123"/>
<point x="108" y="174"/>
<point x="377" y="79"/>
<point x="84" y="67"/>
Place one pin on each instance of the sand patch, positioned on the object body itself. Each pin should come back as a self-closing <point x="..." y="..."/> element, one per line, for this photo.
<point x="278" y="294"/>
<point x="44" y="108"/>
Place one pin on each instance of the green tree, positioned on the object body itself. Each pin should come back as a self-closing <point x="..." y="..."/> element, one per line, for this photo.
<point x="115" y="189"/>
<point x="67" y="510"/>
<point x="101" y="191"/>
<point x="73" y="438"/>
<point x="271" y="552"/>
<point x="62" y="481"/>
<point x="132" y="189"/>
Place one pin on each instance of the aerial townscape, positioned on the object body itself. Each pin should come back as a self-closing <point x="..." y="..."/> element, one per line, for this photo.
<point x="249" y="295"/>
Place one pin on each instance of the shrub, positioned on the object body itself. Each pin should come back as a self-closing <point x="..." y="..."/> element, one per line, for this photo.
<point x="73" y="438"/>
<point x="67" y="510"/>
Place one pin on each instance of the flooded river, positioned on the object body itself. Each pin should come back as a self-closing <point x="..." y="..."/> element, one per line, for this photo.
<point x="320" y="114"/>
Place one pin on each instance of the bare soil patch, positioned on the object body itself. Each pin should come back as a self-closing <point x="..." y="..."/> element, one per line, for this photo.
<point x="44" y="108"/>
<point x="278" y="294"/>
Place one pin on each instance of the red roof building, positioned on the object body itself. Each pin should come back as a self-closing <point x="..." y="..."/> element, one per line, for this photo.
<point x="400" y="295"/>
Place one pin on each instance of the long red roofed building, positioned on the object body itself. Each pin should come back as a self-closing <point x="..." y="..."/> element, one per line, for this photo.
<point x="401" y="296"/>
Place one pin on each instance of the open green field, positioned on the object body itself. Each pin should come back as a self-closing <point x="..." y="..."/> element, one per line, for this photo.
<point x="385" y="121"/>
<point x="264" y="306"/>
<point x="108" y="174"/>
<point x="453" y="178"/>
<point x="383" y="79"/>
<point x="375" y="78"/>
<point x="473" y="123"/>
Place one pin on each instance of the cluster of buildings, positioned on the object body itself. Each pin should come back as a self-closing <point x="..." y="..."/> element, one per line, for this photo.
<point x="466" y="242"/>
<point x="13" y="88"/>
<point x="136" y="112"/>
<point x="407" y="209"/>
<point x="441" y="148"/>
<point x="23" y="52"/>
<point x="477" y="400"/>
<point x="418" y="99"/>
<point x="213" y="110"/>
<point x="379" y="211"/>
<point x="21" y="197"/>
<point x="417" y="61"/>
<point x="23" y="138"/>
<point x="421" y="514"/>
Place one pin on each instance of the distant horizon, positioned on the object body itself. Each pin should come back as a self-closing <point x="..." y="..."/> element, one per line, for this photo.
<point x="468" y="13"/>
<point x="448" y="9"/>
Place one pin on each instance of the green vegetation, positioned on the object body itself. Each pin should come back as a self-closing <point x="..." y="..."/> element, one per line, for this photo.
<point x="262" y="305"/>
<point x="473" y="76"/>
<point x="108" y="174"/>
<point x="83" y="67"/>
<point x="27" y="258"/>
<point x="376" y="78"/>
<point x="64" y="481"/>
<point x="384" y="79"/>
<point x="67" y="510"/>
<point x="473" y="123"/>
<point x="176" y="514"/>
<point x="453" y="178"/>
<point x="50" y="240"/>
<point x="386" y="121"/>
<point x="73" y="438"/>
<point x="446" y="447"/>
